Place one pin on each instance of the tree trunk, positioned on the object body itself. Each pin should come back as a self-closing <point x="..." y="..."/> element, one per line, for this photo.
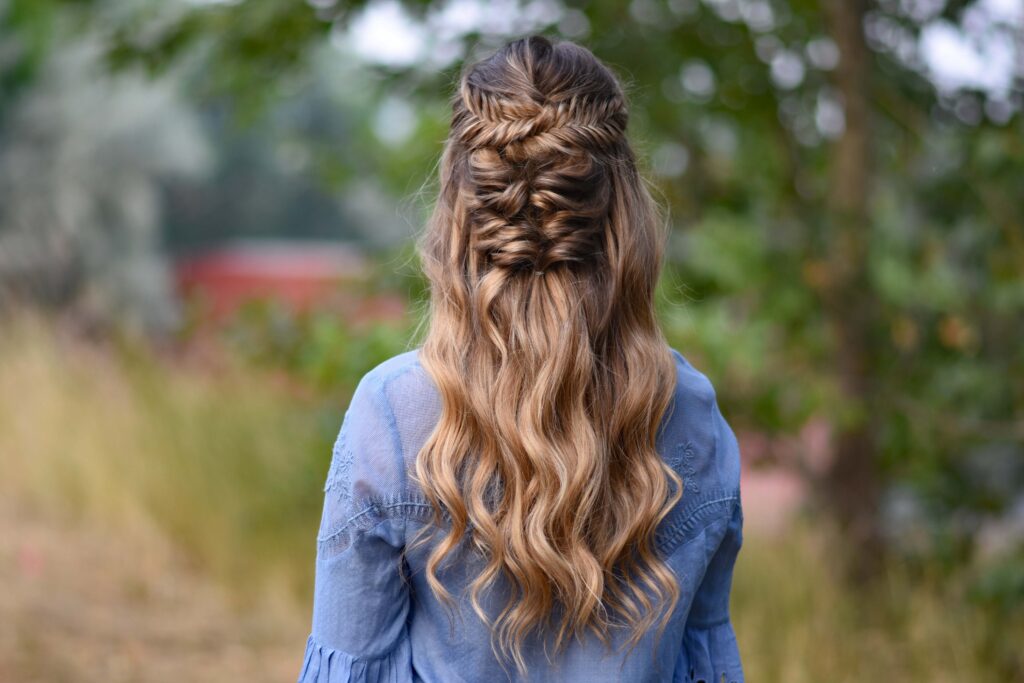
<point x="852" y="482"/>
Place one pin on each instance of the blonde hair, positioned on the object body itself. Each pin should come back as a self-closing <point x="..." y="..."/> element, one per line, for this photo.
<point x="543" y="254"/>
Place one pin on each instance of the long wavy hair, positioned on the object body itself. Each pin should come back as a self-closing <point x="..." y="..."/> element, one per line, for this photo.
<point x="542" y="255"/>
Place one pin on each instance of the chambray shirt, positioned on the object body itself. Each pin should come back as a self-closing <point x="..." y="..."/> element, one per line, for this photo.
<point x="375" y="619"/>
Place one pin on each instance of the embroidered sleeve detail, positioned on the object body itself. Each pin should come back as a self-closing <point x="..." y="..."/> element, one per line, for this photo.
<point x="341" y="466"/>
<point x="682" y="460"/>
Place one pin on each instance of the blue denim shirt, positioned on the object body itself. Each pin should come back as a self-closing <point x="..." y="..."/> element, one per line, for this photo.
<point x="375" y="620"/>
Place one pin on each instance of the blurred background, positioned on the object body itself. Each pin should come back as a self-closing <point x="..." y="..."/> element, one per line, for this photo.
<point x="206" y="219"/>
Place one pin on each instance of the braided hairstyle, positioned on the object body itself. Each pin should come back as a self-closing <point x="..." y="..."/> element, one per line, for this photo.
<point x="543" y="254"/>
<point x="538" y="148"/>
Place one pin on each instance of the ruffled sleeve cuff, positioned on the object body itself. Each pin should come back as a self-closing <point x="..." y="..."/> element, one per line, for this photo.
<point x="323" y="664"/>
<point x="712" y="654"/>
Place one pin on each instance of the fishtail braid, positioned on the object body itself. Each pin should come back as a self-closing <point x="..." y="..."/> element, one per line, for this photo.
<point x="537" y="181"/>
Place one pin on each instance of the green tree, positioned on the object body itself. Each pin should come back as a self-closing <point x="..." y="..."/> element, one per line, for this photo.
<point x="846" y="223"/>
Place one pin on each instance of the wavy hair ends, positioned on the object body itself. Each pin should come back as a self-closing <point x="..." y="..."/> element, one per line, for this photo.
<point x="543" y="254"/>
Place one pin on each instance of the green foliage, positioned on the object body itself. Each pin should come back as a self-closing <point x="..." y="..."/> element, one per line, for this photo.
<point x="33" y="23"/>
<point x="323" y="351"/>
<point x="733" y="112"/>
<point x="746" y="167"/>
<point x="328" y="351"/>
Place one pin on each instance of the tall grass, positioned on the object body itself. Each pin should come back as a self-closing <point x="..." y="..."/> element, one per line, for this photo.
<point x="229" y="466"/>
<point x="797" y="623"/>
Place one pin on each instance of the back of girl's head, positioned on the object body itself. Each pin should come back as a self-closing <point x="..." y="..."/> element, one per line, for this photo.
<point x="543" y="254"/>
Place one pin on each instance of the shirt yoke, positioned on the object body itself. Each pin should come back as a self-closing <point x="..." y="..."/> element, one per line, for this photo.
<point x="396" y="406"/>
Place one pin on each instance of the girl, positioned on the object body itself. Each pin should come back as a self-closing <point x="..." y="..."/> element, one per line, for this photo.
<point x="544" y="490"/>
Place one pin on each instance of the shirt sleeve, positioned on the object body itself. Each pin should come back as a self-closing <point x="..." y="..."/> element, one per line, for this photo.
<point x="710" y="651"/>
<point x="361" y="595"/>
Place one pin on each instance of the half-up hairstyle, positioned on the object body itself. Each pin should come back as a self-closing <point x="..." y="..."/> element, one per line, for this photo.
<point x="542" y="254"/>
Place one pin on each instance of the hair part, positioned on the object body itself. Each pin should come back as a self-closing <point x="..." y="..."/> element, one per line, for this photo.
<point x="543" y="254"/>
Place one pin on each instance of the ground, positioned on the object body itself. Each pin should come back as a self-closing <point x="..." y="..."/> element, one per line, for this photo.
<point x="81" y="604"/>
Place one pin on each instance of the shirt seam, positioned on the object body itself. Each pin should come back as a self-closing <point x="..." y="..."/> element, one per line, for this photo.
<point x="383" y="510"/>
<point x="373" y="508"/>
<point x="671" y="537"/>
<point x="710" y="503"/>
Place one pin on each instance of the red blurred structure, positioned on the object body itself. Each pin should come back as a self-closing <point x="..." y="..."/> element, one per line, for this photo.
<point x="298" y="275"/>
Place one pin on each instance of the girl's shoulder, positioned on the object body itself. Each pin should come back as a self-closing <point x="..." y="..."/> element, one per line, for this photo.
<point x="699" y="444"/>
<point x="392" y="411"/>
<point x="368" y="480"/>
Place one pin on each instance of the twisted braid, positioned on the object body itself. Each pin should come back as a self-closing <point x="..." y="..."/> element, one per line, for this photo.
<point x="581" y="121"/>
<point x="537" y="179"/>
